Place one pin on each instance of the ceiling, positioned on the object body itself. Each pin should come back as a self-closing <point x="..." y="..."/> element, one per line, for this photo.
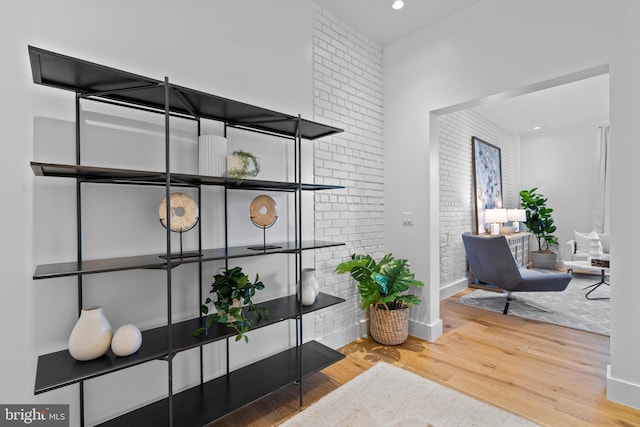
<point x="564" y="106"/>
<point x="377" y="20"/>
<point x="558" y="107"/>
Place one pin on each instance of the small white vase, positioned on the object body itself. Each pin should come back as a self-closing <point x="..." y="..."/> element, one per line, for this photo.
<point x="308" y="296"/>
<point x="308" y="277"/>
<point x="126" y="341"/>
<point x="91" y="335"/>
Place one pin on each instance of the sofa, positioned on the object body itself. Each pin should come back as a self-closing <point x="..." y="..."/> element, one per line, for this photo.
<point x="588" y="245"/>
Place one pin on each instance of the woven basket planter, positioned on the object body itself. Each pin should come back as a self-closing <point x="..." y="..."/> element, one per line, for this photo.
<point x="388" y="327"/>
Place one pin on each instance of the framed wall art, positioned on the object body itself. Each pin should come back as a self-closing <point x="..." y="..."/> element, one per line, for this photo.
<point x="487" y="180"/>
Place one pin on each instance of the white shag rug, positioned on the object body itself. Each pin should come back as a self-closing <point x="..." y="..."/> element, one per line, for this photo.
<point x="387" y="396"/>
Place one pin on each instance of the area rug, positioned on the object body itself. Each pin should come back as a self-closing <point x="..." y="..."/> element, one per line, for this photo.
<point x="388" y="396"/>
<point x="568" y="308"/>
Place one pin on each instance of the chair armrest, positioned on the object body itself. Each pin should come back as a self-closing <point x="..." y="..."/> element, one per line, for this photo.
<point x="573" y="254"/>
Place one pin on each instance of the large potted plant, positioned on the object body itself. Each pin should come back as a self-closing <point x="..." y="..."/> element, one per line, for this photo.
<point x="382" y="286"/>
<point x="540" y="223"/>
<point x="233" y="291"/>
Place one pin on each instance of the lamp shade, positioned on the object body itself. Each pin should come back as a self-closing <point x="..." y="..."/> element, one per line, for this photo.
<point x="495" y="215"/>
<point x="516" y="215"/>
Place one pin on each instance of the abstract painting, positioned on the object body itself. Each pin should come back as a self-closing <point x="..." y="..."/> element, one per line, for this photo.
<point x="487" y="179"/>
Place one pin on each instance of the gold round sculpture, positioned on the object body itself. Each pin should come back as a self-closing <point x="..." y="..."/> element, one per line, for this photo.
<point x="183" y="210"/>
<point x="263" y="211"/>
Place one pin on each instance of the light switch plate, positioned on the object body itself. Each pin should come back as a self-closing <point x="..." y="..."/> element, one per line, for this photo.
<point x="407" y="218"/>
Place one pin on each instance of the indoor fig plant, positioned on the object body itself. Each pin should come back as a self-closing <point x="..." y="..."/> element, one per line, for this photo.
<point x="540" y="223"/>
<point x="383" y="286"/>
<point x="233" y="291"/>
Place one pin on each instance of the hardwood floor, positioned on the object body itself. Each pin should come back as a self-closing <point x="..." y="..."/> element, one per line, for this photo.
<point x="552" y="375"/>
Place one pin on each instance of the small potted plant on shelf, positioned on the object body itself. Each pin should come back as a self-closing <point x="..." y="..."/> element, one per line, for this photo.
<point x="242" y="164"/>
<point x="382" y="286"/>
<point x="233" y="291"/>
<point x="540" y="223"/>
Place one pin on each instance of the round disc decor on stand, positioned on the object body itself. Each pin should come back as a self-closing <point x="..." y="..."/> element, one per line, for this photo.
<point x="183" y="211"/>
<point x="263" y="214"/>
<point x="183" y="214"/>
<point x="263" y="211"/>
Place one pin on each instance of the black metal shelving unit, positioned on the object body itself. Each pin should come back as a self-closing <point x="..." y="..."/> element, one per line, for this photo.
<point x="200" y="404"/>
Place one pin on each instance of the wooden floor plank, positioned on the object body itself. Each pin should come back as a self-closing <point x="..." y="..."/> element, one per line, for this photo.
<point x="552" y="375"/>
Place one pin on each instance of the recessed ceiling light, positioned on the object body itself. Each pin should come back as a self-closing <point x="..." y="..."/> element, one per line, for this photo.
<point x="398" y="4"/>
<point x="536" y="128"/>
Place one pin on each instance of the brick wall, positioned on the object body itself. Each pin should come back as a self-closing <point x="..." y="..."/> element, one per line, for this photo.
<point x="347" y="87"/>
<point x="456" y="186"/>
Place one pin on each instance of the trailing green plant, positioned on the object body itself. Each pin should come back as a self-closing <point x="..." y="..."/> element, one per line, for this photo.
<point x="539" y="220"/>
<point x="233" y="290"/>
<point x="244" y="171"/>
<point x="382" y="282"/>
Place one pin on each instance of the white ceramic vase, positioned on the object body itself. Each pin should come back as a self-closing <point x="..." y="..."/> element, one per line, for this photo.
<point x="309" y="287"/>
<point x="91" y="335"/>
<point x="309" y="277"/>
<point x="308" y="296"/>
<point x="126" y="341"/>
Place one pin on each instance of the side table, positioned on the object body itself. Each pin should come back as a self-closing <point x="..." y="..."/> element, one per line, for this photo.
<point x="586" y="266"/>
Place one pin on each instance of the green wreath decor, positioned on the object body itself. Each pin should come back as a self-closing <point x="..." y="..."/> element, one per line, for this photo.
<point x="244" y="171"/>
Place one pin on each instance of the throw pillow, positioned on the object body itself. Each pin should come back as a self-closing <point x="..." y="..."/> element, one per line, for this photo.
<point x="604" y="239"/>
<point x="583" y="241"/>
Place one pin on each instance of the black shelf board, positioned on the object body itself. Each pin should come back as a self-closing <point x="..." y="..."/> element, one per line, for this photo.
<point x="59" y="369"/>
<point x="203" y="404"/>
<point x="158" y="261"/>
<point x="64" y="72"/>
<point x="91" y="79"/>
<point x="97" y="174"/>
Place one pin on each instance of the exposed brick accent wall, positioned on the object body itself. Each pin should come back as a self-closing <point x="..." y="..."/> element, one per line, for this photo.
<point x="347" y="88"/>
<point x="456" y="184"/>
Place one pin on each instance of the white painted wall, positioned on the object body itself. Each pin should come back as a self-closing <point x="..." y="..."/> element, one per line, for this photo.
<point x="623" y="383"/>
<point x="347" y="89"/>
<point x="253" y="51"/>
<point x="563" y="164"/>
<point x="493" y="47"/>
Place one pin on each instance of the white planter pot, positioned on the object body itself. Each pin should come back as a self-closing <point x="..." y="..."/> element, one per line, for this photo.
<point x="91" y="335"/>
<point x="235" y="303"/>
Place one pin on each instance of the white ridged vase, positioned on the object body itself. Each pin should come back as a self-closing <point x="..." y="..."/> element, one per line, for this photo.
<point x="212" y="155"/>
<point x="91" y="335"/>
